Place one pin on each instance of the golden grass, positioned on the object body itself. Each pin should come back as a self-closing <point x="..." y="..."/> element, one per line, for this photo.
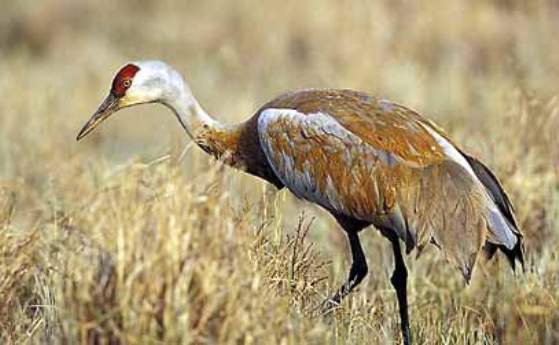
<point x="126" y="239"/>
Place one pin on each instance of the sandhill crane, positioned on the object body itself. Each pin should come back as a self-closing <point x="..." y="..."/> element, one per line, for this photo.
<point x="366" y="160"/>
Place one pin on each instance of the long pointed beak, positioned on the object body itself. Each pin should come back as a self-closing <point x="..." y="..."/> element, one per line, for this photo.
<point x="108" y="107"/>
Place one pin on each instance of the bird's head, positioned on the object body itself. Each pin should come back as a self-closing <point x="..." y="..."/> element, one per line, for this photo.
<point x="137" y="83"/>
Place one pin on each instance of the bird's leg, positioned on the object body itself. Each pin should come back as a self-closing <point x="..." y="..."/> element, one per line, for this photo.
<point x="399" y="281"/>
<point x="357" y="272"/>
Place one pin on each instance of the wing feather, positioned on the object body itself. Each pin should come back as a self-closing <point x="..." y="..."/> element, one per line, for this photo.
<point x="381" y="163"/>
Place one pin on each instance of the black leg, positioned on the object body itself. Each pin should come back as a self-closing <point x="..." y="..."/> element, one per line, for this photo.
<point x="399" y="281"/>
<point x="357" y="272"/>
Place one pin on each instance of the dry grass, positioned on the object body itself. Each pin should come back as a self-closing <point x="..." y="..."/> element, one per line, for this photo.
<point x="122" y="239"/>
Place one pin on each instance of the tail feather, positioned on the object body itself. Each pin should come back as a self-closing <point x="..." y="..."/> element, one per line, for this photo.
<point x="448" y="214"/>
<point x="517" y="253"/>
<point x="501" y="199"/>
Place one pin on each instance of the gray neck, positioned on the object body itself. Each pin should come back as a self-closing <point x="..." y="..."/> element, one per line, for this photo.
<point x="192" y="117"/>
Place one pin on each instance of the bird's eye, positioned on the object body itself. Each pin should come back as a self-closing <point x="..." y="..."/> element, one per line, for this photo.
<point x="126" y="83"/>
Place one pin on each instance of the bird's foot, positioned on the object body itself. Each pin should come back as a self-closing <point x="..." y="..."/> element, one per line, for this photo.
<point x="327" y="308"/>
<point x="329" y="305"/>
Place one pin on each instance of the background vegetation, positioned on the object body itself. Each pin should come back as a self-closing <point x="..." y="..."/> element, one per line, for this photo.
<point x="133" y="236"/>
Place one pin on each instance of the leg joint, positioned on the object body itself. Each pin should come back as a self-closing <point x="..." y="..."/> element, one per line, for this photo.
<point x="359" y="272"/>
<point x="399" y="277"/>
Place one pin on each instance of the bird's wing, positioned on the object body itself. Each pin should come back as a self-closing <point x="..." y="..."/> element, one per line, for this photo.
<point x="388" y="167"/>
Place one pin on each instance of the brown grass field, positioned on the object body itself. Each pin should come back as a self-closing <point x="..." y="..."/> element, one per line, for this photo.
<point x="134" y="236"/>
